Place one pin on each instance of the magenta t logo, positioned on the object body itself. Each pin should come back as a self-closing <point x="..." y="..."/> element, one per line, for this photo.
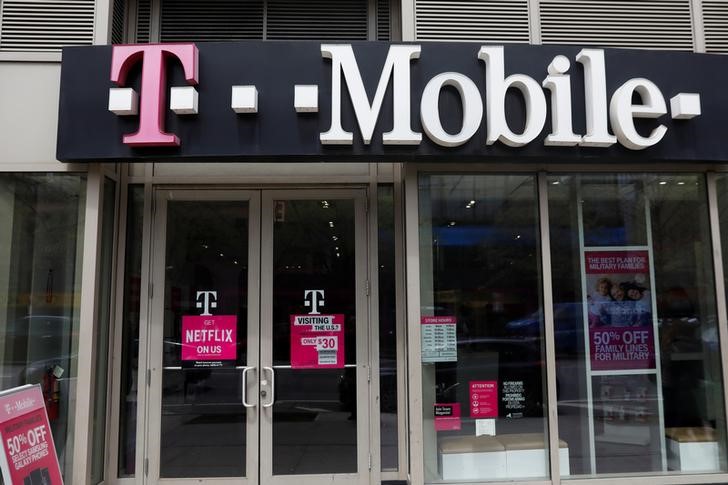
<point x="154" y="86"/>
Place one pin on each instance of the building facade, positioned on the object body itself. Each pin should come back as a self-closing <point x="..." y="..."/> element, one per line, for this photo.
<point x="367" y="241"/>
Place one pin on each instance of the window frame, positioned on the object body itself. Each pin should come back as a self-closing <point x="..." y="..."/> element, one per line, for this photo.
<point x="541" y="171"/>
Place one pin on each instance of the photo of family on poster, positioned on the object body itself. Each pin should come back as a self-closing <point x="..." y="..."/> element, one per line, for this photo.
<point x="618" y="301"/>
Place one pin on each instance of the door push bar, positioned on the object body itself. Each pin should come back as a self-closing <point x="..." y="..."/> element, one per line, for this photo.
<point x="244" y="383"/>
<point x="272" y="387"/>
<point x="245" y="387"/>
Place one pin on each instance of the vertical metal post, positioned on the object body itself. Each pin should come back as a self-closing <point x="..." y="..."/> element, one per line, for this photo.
<point x="585" y="310"/>
<point x="116" y="332"/>
<point x="401" y="321"/>
<point x="534" y="21"/>
<point x="408" y="17"/>
<point x="412" y="258"/>
<point x="549" y="333"/>
<point x="720" y="291"/>
<point x="698" y="22"/>
<point x="144" y="324"/>
<point x="375" y="443"/>
<point x="655" y="335"/>
<point x="86" y="368"/>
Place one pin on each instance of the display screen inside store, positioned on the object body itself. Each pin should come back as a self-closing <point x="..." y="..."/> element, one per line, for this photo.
<point x="637" y="362"/>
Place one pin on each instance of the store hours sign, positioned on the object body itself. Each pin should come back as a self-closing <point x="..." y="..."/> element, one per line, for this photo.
<point x="232" y="101"/>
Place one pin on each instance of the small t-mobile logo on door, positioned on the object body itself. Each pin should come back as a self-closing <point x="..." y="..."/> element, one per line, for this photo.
<point x="206" y="300"/>
<point x="313" y="298"/>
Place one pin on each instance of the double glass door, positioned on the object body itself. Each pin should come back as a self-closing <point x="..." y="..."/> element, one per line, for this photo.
<point x="258" y="349"/>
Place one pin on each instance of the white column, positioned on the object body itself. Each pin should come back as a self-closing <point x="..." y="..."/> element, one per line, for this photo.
<point x="85" y="377"/>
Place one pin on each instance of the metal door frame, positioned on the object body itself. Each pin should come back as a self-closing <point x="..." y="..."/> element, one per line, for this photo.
<point x="154" y="368"/>
<point x="359" y="196"/>
<point x="260" y="286"/>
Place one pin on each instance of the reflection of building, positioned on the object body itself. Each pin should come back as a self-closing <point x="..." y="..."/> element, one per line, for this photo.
<point x="475" y="196"/>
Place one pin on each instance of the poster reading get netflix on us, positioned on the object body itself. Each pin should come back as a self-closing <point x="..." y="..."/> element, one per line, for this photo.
<point x="28" y="454"/>
<point x="619" y="302"/>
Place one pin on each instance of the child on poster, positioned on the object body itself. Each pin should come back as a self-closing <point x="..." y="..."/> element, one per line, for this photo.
<point x="619" y="303"/>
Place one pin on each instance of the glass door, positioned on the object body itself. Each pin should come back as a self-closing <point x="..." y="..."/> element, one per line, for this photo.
<point x="314" y="391"/>
<point x="204" y="334"/>
<point x="259" y="358"/>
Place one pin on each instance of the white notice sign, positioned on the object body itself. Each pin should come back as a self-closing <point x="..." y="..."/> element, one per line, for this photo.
<point x="485" y="427"/>
<point x="439" y="339"/>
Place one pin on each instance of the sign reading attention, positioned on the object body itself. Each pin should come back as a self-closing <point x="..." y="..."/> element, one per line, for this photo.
<point x="483" y="399"/>
<point x="377" y="101"/>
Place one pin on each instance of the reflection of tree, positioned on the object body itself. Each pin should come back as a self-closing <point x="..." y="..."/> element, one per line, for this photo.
<point x="207" y="249"/>
<point x="305" y="257"/>
<point x="486" y="272"/>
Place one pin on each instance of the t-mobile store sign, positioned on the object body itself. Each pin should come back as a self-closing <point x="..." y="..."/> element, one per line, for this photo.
<point x="405" y="101"/>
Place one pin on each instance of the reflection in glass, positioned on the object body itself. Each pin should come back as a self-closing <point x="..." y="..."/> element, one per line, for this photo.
<point x="482" y="328"/>
<point x="130" y="332"/>
<point x="41" y="252"/>
<point x="104" y="326"/>
<point x="314" y="415"/>
<point x="627" y="415"/>
<point x="203" y="419"/>
<point x="387" y="328"/>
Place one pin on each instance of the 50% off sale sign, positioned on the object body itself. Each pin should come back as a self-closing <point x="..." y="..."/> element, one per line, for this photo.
<point x="28" y="454"/>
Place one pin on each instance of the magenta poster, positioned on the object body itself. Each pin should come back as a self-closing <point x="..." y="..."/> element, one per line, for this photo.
<point x="209" y="341"/>
<point x="619" y="303"/>
<point x="28" y="453"/>
<point x="622" y="348"/>
<point x="483" y="399"/>
<point x="447" y="417"/>
<point x="317" y="341"/>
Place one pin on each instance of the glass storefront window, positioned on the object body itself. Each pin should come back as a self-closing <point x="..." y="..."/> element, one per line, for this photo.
<point x="41" y="252"/>
<point x="638" y="363"/>
<point x="130" y="332"/>
<point x="387" y="329"/>
<point x="483" y="375"/>
<point x="104" y="327"/>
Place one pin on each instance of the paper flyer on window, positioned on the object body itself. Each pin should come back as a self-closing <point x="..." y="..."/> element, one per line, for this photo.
<point x="317" y="341"/>
<point x="28" y="453"/>
<point x="439" y="339"/>
<point x="483" y="399"/>
<point x="447" y="416"/>
<point x="619" y="308"/>
<point x="209" y="341"/>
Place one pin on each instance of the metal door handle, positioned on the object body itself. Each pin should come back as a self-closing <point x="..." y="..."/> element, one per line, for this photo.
<point x="245" y="388"/>
<point x="272" y="387"/>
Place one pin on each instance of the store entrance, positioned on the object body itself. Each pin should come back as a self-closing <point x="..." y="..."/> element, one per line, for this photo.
<point x="258" y="342"/>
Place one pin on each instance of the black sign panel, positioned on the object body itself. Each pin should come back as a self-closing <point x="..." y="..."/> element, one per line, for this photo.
<point x="88" y="131"/>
